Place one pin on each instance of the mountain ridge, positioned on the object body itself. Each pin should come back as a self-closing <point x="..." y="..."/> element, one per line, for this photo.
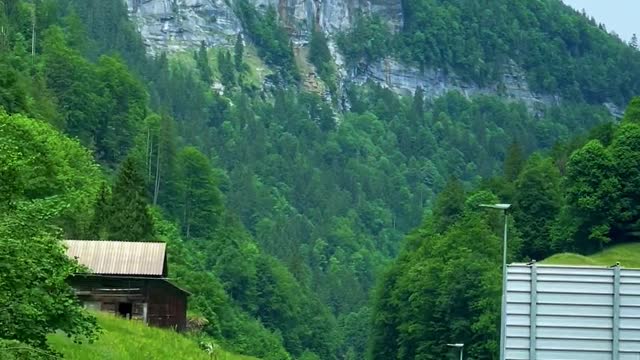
<point x="178" y="26"/>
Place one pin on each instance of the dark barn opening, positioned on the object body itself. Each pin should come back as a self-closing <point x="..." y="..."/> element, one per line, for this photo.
<point x="125" y="309"/>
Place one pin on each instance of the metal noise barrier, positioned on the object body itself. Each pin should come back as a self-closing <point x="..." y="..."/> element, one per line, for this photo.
<point x="572" y="313"/>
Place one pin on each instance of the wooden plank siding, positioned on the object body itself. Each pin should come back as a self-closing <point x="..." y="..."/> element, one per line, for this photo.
<point x="154" y="300"/>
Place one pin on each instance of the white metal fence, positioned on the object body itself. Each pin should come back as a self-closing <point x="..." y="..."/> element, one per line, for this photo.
<point x="572" y="313"/>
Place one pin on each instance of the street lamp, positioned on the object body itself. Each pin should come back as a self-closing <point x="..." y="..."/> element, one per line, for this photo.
<point x="503" y="308"/>
<point x="459" y="346"/>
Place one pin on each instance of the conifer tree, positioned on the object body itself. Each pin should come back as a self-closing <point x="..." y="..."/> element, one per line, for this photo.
<point x="100" y="213"/>
<point x="200" y="201"/>
<point x="202" y="62"/>
<point x="513" y="162"/>
<point x="129" y="218"/>
<point x="225" y="66"/>
<point x="238" y="53"/>
<point x="632" y="113"/>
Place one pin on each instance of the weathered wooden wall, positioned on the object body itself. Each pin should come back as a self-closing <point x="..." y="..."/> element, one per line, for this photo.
<point x="166" y="304"/>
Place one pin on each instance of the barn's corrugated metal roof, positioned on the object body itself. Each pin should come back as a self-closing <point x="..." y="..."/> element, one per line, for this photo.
<point x="119" y="257"/>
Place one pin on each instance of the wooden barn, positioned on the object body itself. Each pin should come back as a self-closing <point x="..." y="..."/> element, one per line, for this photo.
<point x="128" y="279"/>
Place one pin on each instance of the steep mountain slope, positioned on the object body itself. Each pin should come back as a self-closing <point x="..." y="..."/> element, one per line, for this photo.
<point x="52" y="186"/>
<point x="534" y="52"/>
<point x="282" y="201"/>
<point x="331" y="194"/>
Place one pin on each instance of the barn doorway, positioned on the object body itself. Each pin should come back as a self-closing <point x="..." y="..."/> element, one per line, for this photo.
<point x="125" y="310"/>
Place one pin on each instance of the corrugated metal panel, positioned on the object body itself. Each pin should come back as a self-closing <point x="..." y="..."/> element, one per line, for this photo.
<point x="119" y="257"/>
<point x="590" y="313"/>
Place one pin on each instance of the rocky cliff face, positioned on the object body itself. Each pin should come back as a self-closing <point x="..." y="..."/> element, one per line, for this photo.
<point x="177" y="25"/>
<point x="174" y="25"/>
<point x="405" y="79"/>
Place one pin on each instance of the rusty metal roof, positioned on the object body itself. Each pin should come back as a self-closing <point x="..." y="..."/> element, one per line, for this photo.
<point x="119" y="257"/>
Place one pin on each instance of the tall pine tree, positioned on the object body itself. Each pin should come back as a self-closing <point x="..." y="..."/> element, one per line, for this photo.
<point x="226" y="68"/>
<point x="200" y="201"/>
<point x="238" y="53"/>
<point x="202" y="62"/>
<point x="97" y="228"/>
<point x="129" y="217"/>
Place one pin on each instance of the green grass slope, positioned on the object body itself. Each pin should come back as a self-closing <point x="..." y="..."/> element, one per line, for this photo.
<point x="627" y="254"/>
<point x="131" y="340"/>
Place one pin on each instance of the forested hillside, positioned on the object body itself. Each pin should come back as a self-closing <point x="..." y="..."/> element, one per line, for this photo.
<point x="444" y="287"/>
<point x="282" y="207"/>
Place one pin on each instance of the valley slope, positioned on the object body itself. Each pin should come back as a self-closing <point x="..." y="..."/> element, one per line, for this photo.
<point x="286" y="184"/>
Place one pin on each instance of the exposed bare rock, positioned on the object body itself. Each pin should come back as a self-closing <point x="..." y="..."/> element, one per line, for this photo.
<point x="177" y="25"/>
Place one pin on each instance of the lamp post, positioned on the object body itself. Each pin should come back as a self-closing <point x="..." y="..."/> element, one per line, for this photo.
<point x="503" y="308"/>
<point x="459" y="346"/>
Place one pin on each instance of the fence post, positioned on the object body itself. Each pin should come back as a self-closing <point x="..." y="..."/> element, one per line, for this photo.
<point x="533" y="311"/>
<point x="616" y="312"/>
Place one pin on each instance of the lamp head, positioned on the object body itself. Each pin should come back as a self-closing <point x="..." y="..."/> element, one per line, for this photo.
<point x="496" y="206"/>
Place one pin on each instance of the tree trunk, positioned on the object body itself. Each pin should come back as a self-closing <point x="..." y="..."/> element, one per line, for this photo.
<point x="33" y="33"/>
<point x="149" y="153"/>
<point x="156" y="189"/>
<point x="185" y="216"/>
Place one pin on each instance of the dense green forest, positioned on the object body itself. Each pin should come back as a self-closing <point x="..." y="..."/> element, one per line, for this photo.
<point x="580" y="196"/>
<point x="282" y="213"/>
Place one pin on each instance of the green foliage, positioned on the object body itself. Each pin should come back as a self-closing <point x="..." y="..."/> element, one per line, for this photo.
<point x="368" y="40"/>
<point x="449" y="205"/>
<point x="625" y="150"/>
<point x="355" y="329"/>
<point x="46" y="181"/>
<point x="320" y="57"/>
<point x="199" y="200"/>
<point x="37" y="163"/>
<point x="86" y="90"/>
<point x="128" y="217"/>
<point x="632" y="114"/>
<point x="271" y="39"/>
<point x="15" y="350"/>
<point x="101" y="212"/>
<point x="202" y="63"/>
<point x="513" y="162"/>
<point x="278" y="212"/>
<point x="13" y="97"/>
<point x="226" y="69"/>
<point x="107" y="28"/>
<point x="238" y="53"/>
<point x="33" y="291"/>
<point x="195" y="267"/>
<point x="157" y="148"/>
<point x="127" y="100"/>
<point x="537" y="203"/>
<point x="444" y="285"/>
<point x="591" y="194"/>
<point x="445" y="288"/>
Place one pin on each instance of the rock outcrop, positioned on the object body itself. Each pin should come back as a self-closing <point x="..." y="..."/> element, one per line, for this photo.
<point x="177" y="25"/>
<point x="174" y="25"/>
<point x="405" y="79"/>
